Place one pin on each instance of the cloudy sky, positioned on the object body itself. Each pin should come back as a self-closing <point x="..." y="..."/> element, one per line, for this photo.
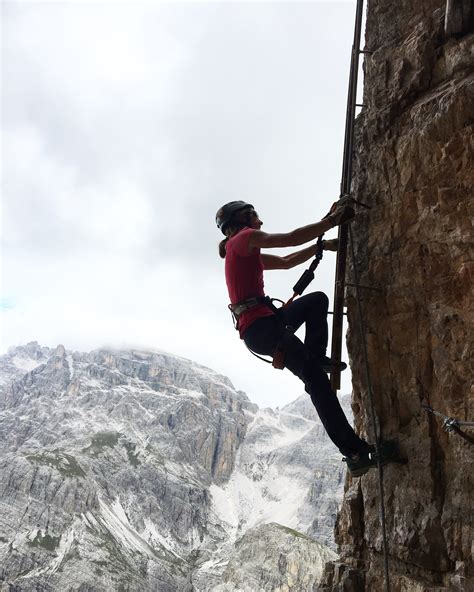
<point x="125" y="127"/>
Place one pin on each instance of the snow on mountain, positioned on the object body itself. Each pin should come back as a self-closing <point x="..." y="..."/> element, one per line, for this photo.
<point x="266" y="485"/>
<point x="135" y="470"/>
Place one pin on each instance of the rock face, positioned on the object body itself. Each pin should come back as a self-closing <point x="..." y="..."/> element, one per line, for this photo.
<point x="252" y="568"/>
<point x="286" y="471"/>
<point x="414" y="166"/>
<point x="133" y="470"/>
<point x="106" y="462"/>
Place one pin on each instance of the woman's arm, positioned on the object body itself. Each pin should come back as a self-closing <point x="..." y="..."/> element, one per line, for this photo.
<point x="288" y="261"/>
<point x="264" y="240"/>
<point x="296" y="258"/>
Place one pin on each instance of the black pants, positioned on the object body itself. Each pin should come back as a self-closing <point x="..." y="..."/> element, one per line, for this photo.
<point x="303" y="359"/>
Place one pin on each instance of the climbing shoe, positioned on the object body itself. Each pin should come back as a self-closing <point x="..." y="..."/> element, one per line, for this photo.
<point x="389" y="453"/>
<point x="361" y="464"/>
<point x="329" y="365"/>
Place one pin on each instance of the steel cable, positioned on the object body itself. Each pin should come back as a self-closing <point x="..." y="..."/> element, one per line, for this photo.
<point x="376" y="431"/>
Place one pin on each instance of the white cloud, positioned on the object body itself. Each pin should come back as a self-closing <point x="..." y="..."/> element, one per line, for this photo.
<point x="125" y="127"/>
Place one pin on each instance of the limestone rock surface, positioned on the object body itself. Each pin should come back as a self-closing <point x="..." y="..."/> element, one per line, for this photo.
<point x="255" y="567"/>
<point x="414" y="167"/>
<point x="127" y="470"/>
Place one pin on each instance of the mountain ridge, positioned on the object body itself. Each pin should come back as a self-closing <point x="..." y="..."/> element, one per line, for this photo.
<point x="117" y="466"/>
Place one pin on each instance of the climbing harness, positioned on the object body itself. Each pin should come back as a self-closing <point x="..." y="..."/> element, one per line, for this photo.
<point x="240" y="307"/>
<point x="450" y="424"/>
<point x="277" y="360"/>
<point x="307" y="277"/>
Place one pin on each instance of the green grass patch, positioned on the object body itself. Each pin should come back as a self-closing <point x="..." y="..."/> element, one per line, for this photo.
<point x="66" y="464"/>
<point x="294" y="533"/>
<point x="130" y="447"/>
<point x="47" y="542"/>
<point x="101" y="441"/>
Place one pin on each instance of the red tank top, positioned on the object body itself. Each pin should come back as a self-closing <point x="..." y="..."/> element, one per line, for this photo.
<point x="244" y="277"/>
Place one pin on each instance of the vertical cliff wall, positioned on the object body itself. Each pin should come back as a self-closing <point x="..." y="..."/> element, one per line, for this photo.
<point x="414" y="166"/>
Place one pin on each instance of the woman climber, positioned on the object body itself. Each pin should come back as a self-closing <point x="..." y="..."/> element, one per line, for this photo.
<point x="265" y="330"/>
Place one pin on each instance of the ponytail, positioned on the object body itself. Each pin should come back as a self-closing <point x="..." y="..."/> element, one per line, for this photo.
<point x="242" y="221"/>
<point x="222" y="245"/>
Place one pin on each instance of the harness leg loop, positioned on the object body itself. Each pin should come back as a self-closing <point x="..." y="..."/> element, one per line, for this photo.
<point x="280" y="350"/>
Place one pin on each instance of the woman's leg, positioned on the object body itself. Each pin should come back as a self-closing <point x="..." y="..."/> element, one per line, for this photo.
<point x="263" y="336"/>
<point x="312" y="310"/>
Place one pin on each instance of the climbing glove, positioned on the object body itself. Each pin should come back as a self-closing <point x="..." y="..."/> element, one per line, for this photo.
<point x="341" y="211"/>
<point x="330" y="245"/>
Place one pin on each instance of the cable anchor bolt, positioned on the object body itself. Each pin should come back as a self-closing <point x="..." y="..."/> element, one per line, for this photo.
<point x="450" y="424"/>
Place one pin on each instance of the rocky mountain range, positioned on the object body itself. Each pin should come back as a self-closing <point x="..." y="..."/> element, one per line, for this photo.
<point x="136" y="471"/>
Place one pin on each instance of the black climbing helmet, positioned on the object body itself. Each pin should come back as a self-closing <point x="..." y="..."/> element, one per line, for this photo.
<point x="225" y="214"/>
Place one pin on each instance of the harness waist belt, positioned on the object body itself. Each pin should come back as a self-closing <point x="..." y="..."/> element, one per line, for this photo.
<point x="241" y="307"/>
